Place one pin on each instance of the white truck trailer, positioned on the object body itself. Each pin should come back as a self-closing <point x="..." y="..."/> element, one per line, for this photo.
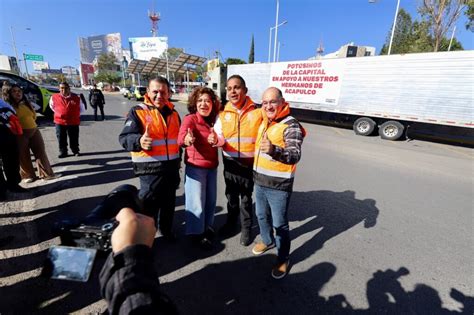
<point x="387" y="94"/>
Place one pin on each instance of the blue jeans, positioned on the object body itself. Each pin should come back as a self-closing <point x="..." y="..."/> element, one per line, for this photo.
<point x="272" y="212"/>
<point x="200" y="188"/>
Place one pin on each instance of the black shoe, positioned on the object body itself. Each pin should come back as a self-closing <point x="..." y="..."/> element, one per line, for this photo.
<point x="17" y="189"/>
<point x="3" y="196"/>
<point x="77" y="154"/>
<point x="62" y="155"/>
<point x="205" y="244"/>
<point x="228" y="228"/>
<point x="245" y="239"/>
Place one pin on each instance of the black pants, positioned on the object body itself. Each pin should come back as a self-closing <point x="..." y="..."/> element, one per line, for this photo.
<point x="62" y="133"/>
<point x="238" y="190"/>
<point x="101" y="107"/>
<point x="158" y="197"/>
<point x="10" y="160"/>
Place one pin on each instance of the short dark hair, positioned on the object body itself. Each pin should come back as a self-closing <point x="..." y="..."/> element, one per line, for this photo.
<point x="238" y="77"/>
<point x="64" y="83"/>
<point x="161" y="80"/>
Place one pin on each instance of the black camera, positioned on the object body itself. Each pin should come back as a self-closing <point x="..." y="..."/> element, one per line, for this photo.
<point x="96" y="229"/>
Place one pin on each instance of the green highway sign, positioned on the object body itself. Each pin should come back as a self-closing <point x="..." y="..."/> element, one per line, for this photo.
<point x="34" y="57"/>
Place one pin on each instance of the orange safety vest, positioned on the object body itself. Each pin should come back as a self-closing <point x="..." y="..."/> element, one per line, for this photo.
<point x="264" y="163"/>
<point x="164" y="134"/>
<point x="240" y="130"/>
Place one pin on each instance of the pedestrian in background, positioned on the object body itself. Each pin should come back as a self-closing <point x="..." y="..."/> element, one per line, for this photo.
<point x="277" y="150"/>
<point x="238" y="124"/>
<point x="10" y="128"/>
<point x="31" y="138"/>
<point x="67" y="108"/>
<point x="83" y="99"/>
<point x="201" y="158"/>
<point x="151" y="135"/>
<point x="97" y="101"/>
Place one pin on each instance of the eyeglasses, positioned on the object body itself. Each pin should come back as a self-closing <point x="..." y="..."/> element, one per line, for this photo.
<point x="272" y="102"/>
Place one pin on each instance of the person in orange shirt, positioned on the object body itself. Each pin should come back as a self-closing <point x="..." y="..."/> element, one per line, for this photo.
<point x="150" y="134"/>
<point x="277" y="151"/>
<point x="238" y="124"/>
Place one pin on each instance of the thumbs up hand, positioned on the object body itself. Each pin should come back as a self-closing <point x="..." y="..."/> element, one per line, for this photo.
<point x="212" y="139"/>
<point x="146" y="140"/>
<point x="265" y="145"/>
<point x="189" y="138"/>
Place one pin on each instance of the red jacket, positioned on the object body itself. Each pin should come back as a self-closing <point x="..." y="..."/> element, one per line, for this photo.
<point x="201" y="153"/>
<point x="67" y="110"/>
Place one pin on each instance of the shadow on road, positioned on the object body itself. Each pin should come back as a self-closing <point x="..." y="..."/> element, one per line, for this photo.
<point x="332" y="212"/>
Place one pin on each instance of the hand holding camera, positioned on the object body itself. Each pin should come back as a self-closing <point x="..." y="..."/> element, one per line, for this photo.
<point x="134" y="228"/>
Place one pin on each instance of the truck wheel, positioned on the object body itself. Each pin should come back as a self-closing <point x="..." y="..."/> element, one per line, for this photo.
<point x="364" y="126"/>
<point x="391" y="130"/>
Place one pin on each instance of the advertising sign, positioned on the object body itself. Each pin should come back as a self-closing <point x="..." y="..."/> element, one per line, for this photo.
<point x="212" y="64"/>
<point x="69" y="70"/>
<point x="33" y="57"/>
<point x="39" y="65"/>
<point x="144" y="48"/>
<point x="315" y="81"/>
<point x="87" y="73"/>
<point x="51" y="71"/>
<point x="93" y="46"/>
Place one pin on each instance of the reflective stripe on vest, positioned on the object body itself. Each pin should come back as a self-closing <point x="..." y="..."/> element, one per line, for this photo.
<point x="240" y="130"/>
<point x="154" y="158"/>
<point x="164" y="145"/>
<point x="264" y="163"/>
<point x="237" y="154"/>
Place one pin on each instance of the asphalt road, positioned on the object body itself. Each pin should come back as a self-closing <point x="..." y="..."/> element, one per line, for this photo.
<point x="376" y="226"/>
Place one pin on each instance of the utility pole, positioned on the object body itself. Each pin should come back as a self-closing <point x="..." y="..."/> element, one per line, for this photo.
<point x="14" y="48"/>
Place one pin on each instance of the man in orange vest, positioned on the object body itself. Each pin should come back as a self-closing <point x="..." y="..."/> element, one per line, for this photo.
<point x="238" y="124"/>
<point x="67" y="108"/>
<point x="150" y="134"/>
<point x="277" y="150"/>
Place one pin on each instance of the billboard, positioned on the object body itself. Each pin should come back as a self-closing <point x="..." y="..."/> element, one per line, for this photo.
<point x="144" y="48"/>
<point x="40" y="65"/>
<point x="93" y="46"/>
<point x="87" y="73"/>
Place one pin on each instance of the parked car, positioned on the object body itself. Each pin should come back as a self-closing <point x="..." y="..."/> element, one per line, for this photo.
<point x="35" y="93"/>
<point x="126" y="92"/>
<point x="137" y="93"/>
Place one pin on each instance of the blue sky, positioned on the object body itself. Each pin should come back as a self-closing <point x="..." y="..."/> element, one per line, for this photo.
<point x="202" y="27"/>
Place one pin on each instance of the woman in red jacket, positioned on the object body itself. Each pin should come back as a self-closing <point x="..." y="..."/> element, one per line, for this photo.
<point x="198" y="137"/>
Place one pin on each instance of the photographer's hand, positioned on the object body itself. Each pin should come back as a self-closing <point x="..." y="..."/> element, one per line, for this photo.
<point x="134" y="228"/>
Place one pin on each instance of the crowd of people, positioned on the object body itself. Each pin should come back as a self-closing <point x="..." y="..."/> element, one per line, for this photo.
<point x="20" y="135"/>
<point x="260" y="150"/>
<point x="260" y="147"/>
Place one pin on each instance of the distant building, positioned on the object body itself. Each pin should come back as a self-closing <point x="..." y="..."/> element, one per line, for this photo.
<point x="9" y="63"/>
<point x="349" y="50"/>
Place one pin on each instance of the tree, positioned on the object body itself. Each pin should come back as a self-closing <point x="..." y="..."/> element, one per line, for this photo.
<point x="470" y="15"/>
<point x="234" y="61"/>
<point x="401" y="37"/>
<point x="108" y="77"/>
<point x="173" y="54"/>
<point x="440" y="15"/>
<point x="107" y="62"/>
<point x="252" y="52"/>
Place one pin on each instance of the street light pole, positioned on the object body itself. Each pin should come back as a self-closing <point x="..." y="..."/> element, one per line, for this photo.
<point x="270" y="39"/>
<point x="276" y="31"/>
<point x="393" y="28"/>
<point x="270" y="44"/>
<point x="14" y="48"/>
<point x="26" y="67"/>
